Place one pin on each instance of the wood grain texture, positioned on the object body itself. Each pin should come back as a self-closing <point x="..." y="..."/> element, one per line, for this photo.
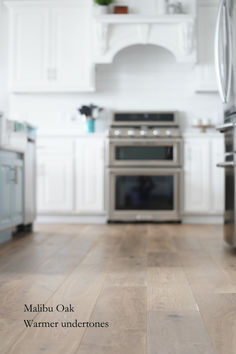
<point x="164" y="289"/>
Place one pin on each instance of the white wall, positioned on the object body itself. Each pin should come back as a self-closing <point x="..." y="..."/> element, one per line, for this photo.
<point x="141" y="77"/>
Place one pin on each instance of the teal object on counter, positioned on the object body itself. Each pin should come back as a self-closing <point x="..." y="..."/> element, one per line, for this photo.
<point x="90" y="125"/>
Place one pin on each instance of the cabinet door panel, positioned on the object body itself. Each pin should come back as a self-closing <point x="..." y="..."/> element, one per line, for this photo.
<point x="90" y="176"/>
<point x="30" y="48"/>
<point x="71" y="44"/>
<point x="205" y="70"/>
<point x="217" y="175"/>
<point x="5" y="195"/>
<point x="197" y="176"/>
<point x="17" y="195"/>
<point x="55" y="184"/>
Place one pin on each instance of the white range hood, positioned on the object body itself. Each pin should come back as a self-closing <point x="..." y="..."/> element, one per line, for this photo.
<point x="113" y="33"/>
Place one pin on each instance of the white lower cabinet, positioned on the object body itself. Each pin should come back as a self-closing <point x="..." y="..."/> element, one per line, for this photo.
<point x="71" y="176"/>
<point x="203" y="180"/>
<point x="55" y="184"/>
<point x="90" y="175"/>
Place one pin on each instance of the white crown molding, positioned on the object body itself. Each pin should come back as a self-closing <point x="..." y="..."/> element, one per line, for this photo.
<point x="28" y="3"/>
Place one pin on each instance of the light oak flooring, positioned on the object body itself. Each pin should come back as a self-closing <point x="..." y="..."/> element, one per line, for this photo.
<point x="164" y="289"/>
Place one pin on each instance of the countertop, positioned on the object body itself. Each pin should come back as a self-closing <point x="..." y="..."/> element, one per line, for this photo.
<point x="12" y="149"/>
<point x="70" y="133"/>
<point x="58" y="133"/>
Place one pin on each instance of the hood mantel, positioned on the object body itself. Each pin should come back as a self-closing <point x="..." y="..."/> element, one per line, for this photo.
<point x="176" y="33"/>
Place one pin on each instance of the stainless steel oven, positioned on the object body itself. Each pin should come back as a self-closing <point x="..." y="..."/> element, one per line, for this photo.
<point x="229" y="165"/>
<point x="149" y="194"/>
<point x="144" y="167"/>
<point x="151" y="152"/>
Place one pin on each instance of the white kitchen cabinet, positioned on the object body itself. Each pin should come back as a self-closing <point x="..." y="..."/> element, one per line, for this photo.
<point x="55" y="184"/>
<point x="55" y="176"/>
<point x="90" y="175"/>
<point x="49" y="49"/>
<point x="203" y="181"/>
<point x="197" y="175"/>
<point x="206" y="23"/>
<point x="71" y="176"/>
<point x="29" y="43"/>
<point x="217" y="176"/>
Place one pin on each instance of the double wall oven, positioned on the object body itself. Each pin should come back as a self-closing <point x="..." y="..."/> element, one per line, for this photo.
<point x="144" y="167"/>
<point x="229" y="164"/>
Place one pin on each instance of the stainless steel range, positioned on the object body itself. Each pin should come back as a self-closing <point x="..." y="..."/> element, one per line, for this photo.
<point x="144" y="167"/>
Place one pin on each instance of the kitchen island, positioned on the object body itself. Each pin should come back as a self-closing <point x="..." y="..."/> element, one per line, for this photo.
<point x="17" y="178"/>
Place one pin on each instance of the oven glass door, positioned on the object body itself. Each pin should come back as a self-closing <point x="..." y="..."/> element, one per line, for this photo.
<point x="150" y="195"/>
<point x="144" y="118"/>
<point x="229" y="229"/>
<point x="144" y="193"/>
<point x="130" y="153"/>
<point x="230" y="179"/>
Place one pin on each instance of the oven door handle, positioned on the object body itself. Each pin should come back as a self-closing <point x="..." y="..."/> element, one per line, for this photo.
<point x="226" y="164"/>
<point x="222" y="128"/>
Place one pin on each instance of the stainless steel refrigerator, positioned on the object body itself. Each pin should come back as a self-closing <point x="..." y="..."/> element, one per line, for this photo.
<point x="225" y="59"/>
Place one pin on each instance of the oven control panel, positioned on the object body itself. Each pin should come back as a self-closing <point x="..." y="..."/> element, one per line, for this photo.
<point x="117" y="132"/>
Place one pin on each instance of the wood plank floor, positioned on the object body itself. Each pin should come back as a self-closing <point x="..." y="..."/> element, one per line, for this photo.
<point x="164" y="289"/>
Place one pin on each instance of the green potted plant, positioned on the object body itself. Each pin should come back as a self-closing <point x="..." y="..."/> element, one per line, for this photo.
<point x="102" y="6"/>
<point x="90" y="114"/>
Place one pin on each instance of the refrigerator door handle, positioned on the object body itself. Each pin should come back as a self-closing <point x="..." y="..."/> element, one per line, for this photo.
<point x="230" y="54"/>
<point x="217" y="53"/>
<point x="222" y="128"/>
<point x="226" y="164"/>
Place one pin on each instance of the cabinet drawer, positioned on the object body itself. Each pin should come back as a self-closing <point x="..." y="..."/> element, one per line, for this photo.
<point x="55" y="146"/>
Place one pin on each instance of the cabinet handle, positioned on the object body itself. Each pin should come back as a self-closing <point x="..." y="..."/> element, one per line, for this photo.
<point x="226" y="164"/>
<point x="16" y="178"/>
<point x="16" y="175"/>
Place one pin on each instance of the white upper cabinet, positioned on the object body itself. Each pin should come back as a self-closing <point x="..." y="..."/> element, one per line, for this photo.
<point x="29" y="48"/>
<point x="206" y="23"/>
<point x="50" y="46"/>
<point x="71" y="47"/>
